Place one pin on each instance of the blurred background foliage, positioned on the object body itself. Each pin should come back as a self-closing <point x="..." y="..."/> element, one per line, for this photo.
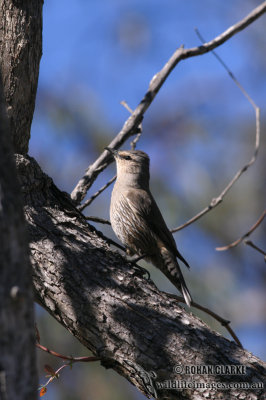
<point x="198" y="132"/>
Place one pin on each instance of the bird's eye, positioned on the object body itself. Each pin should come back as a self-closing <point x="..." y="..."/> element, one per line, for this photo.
<point x="127" y="157"/>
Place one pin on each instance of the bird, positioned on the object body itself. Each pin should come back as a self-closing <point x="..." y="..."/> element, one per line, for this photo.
<point x="137" y="221"/>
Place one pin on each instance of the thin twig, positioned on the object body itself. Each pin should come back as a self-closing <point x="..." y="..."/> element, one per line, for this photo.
<point x="55" y="374"/>
<point x="52" y="377"/>
<point x="124" y="104"/>
<point x="251" y="244"/>
<point x="222" y="321"/>
<point x="136" y="139"/>
<point x="72" y="360"/>
<point x="68" y="358"/>
<point x="232" y="76"/>
<point x="99" y="220"/>
<point x="251" y="230"/>
<point x="131" y="125"/>
<point x="217" y="200"/>
<point x="93" y="197"/>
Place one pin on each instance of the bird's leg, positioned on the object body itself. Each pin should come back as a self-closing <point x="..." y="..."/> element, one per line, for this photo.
<point x="137" y="259"/>
<point x="142" y="271"/>
<point x="137" y="267"/>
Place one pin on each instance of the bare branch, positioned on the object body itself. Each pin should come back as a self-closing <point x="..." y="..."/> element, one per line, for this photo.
<point x="134" y="141"/>
<point x="99" y="220"/>
<point x="229" y="71"/>
<point x="251" y="244"/>
<point x="222" y="321"/>
<point x="131" y="125"/>
<point x="69" y="358"/>
<point x="93" y="197"/>
<point x="124" y="104"/>
<point x="251" y="230"/>
<point x="219" y="199"/>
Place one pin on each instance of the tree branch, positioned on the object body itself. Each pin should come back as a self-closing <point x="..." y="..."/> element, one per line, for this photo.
<point x="99" y="220"/>
<point x="247" y="234"/>
<point x="95" y="195"/>
<point x="67" y="358"/>
<point x="131" y="125"/>
<point x="222" y="321"/>
<point x="122" y="318"/>
<point x="217" y="200"/>
<point x="134" y="142"/>
<point x="251" y="244"/>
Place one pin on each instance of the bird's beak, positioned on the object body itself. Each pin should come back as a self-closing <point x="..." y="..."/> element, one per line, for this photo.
<point x="112" y="151"/>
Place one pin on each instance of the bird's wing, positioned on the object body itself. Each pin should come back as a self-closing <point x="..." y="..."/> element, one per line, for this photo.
<point x="145" y="206"/>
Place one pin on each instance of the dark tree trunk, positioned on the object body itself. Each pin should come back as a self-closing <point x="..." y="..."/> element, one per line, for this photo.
<point x="119" y="316"/>
<point x="18" y="373"/>
<point x="20" y="54"/>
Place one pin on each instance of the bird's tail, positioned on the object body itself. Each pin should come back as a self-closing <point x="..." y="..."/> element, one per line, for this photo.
<point x="186" y="293"/>
<point x="169" y="266"/>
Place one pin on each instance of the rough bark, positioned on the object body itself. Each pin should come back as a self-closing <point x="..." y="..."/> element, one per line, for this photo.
<point x="20" y="54"/>
<point x="18" y="371"/>
<point x="122" y="318"/>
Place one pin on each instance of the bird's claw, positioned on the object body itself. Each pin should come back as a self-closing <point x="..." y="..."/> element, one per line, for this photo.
<point x="141" y="271"/>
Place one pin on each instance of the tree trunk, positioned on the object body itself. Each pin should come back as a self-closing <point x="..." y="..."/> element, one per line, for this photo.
<point x="18" y="372"/>
<point x="122" y="318"/>
<point x="20" y="54"/>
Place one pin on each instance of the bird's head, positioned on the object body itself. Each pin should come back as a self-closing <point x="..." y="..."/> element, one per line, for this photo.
<point x="132" y="166"/>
